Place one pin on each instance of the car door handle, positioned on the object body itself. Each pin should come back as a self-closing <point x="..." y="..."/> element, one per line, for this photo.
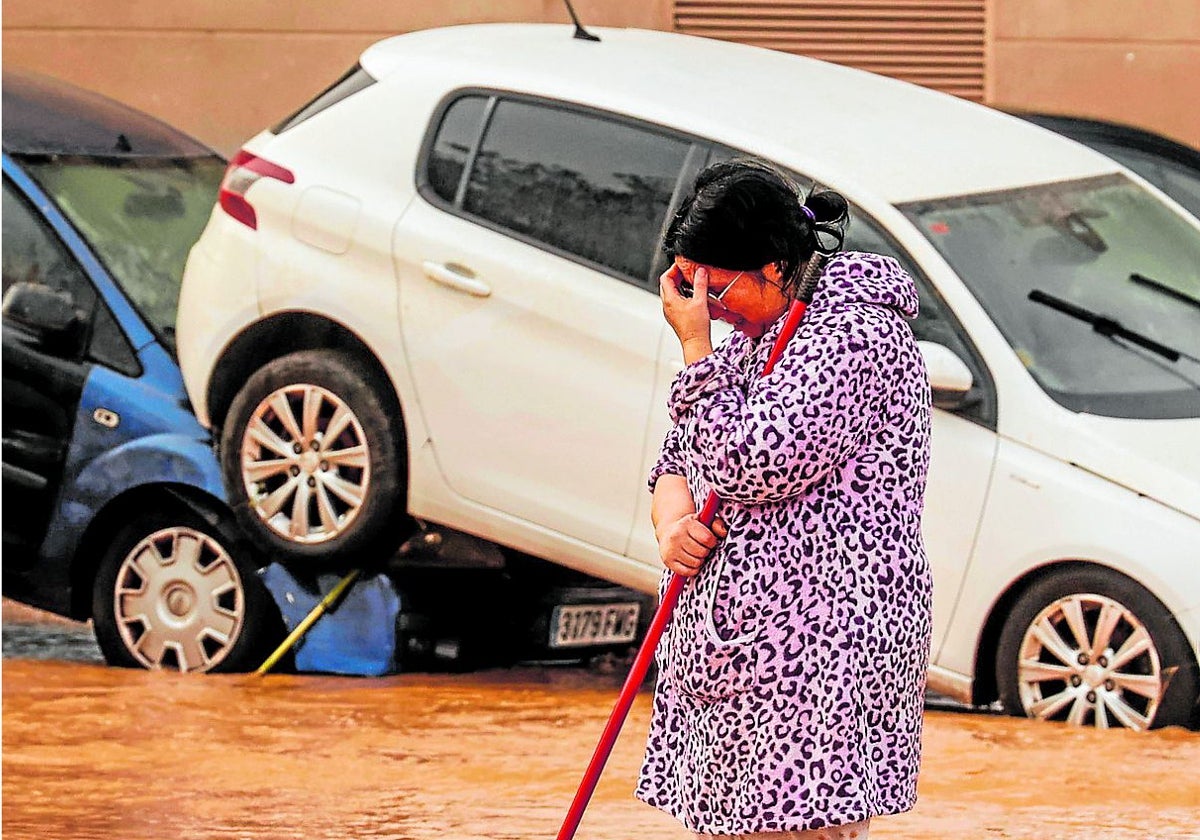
<point x="456" y="277"/>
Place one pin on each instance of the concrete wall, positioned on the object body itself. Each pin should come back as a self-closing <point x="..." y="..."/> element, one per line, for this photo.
<point x="224" y="70"/>
<point x="1125" y="60"/>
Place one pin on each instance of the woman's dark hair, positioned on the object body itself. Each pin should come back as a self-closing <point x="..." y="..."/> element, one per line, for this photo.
<point x="743" y="214"/>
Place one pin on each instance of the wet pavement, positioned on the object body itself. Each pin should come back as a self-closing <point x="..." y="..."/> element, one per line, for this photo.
<point x="30" y="634"/>
<point x="94" y="752"/>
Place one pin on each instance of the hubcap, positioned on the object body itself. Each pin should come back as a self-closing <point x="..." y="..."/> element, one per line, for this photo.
<point x="178" y="601"/>
<point x="305" y="464"/>
<point x="1088" y="660"/>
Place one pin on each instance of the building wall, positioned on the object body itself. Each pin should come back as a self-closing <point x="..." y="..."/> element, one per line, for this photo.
<point x="1130" y="62"/>
<point x="223" y="70"/>
<point x="941" y="44"/>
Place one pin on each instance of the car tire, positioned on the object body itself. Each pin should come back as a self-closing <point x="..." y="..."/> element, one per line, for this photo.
<point x="308" y="493"/>
<point x="1115" y="676"/>
<point x="174" y="591"/>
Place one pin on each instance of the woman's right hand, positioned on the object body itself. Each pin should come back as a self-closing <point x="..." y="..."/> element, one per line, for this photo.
<point x="688" y="316"/>
<point x="685" y="543"/>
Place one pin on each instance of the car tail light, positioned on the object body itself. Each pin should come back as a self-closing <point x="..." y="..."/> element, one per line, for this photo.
<point x="244" y="170"/>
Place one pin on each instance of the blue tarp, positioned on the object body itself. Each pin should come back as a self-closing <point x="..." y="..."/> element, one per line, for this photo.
<point x="357" y="637"/>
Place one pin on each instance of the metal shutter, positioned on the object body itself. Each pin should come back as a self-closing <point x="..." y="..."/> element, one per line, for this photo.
<point x="936" y="43"/>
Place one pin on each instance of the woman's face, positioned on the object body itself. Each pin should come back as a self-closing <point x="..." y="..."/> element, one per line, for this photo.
<point x="748" y="300"/>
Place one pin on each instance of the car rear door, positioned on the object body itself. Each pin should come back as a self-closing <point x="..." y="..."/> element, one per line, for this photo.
<point x="529" y="306"/>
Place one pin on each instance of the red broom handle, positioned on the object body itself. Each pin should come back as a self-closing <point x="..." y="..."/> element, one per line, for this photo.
<point x="616" y="720"/>
<point x="641" y="663"/>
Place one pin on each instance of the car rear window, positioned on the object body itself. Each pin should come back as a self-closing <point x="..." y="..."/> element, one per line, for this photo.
<point x="351" y="82"/>
<point x="140" y="216"/>
<point x="584" y="185"/>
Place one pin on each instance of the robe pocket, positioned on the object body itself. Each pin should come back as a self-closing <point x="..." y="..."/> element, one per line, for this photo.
<point x="701" y="667"/>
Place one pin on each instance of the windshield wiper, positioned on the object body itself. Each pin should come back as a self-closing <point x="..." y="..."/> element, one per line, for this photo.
<point x="1159" y="286"/>
<point x="1109" y="327"/>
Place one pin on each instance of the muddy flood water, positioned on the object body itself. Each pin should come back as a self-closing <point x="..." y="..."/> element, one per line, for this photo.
<point x="93" y="752"/>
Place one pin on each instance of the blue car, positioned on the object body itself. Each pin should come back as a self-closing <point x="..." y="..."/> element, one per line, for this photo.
<point x="113" y="507"/>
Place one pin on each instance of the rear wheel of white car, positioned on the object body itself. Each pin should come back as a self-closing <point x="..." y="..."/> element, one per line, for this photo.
<point x="175" y="592"/>
<point x="312" y="458"/>
<point x="1090" y="647"/>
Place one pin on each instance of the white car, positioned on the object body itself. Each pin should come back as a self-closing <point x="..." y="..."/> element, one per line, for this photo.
<point x="432" y="291"/>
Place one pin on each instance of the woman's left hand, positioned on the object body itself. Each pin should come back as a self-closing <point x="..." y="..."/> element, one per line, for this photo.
<point x="685" y="544"/>
<point x="688" y="317"/>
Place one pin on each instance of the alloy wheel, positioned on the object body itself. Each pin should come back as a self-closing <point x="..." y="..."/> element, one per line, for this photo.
<point x="1087" y="660"/>
<point x="178" y="601"/>
<point x="305" y="464"/>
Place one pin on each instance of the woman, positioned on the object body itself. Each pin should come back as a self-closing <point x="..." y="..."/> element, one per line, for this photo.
<point x="792" y="673"/>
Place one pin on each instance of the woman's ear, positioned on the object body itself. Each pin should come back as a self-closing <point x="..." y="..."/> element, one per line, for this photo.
<point x="773" y="273"/>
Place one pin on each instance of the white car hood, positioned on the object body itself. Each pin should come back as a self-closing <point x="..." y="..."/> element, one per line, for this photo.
<point x="1155" y="458"/>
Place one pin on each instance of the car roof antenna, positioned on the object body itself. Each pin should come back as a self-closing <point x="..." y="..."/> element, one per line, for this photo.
<point x="580" y="32"/>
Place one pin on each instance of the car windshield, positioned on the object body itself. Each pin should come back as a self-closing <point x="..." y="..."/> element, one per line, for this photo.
<point x="1069" y="272"/>
<point x="1176" y="179"/>
<point x="141" y="216"/>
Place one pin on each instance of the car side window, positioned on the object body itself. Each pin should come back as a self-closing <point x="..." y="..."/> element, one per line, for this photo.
<point x="931" y="324"/>
<point x="934" y="321"/>
<point x="33" y="253"/>
<point x="591" y="187"/>
<point x="456" y="138"/>
<point x="108" y="344"/>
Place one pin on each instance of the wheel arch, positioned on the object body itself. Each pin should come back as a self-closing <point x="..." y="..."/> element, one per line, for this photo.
<point x="115" y="515"/>
<point x="291" y="332"/>
<point x="984" y="689"/>
<point x="276" y="336"/>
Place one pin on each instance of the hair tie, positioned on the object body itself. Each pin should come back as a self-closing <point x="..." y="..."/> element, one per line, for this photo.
<point x="812" y="217"/>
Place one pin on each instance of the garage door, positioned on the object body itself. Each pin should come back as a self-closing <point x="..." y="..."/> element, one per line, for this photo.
<point x="935" y="43"/>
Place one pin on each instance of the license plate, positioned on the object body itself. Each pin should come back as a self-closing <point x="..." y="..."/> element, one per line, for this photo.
<point x="577" y="625"/>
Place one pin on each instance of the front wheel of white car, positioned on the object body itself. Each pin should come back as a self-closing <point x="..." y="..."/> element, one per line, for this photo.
<point x="313" y="460"/>
<point x="1090" y="647"/>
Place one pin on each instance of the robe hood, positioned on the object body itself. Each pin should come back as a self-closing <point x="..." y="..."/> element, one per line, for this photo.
<point x="854" y="277"/>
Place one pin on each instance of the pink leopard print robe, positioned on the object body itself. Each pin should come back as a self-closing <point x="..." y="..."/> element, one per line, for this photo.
<point x="792" y="673"/>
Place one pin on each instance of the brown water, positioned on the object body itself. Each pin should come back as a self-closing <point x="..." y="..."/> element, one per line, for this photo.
<point x="92" y="752"/>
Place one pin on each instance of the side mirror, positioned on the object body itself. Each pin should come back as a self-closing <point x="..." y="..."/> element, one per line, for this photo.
<point x="949" y="377"/>
<point x="50" y="314"/>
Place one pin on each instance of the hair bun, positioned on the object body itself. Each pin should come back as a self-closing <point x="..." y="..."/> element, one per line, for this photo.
<point x="830" y="214"/>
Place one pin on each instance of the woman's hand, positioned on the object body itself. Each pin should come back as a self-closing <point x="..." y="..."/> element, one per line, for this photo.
<point x="685" y="543"/>
<point x="688" y="317"/>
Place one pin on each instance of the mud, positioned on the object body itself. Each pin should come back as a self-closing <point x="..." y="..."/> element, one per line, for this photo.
<point x="93" y="752"/>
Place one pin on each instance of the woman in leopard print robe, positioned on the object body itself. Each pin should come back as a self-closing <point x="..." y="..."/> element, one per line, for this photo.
<point x="792" y="673"/>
